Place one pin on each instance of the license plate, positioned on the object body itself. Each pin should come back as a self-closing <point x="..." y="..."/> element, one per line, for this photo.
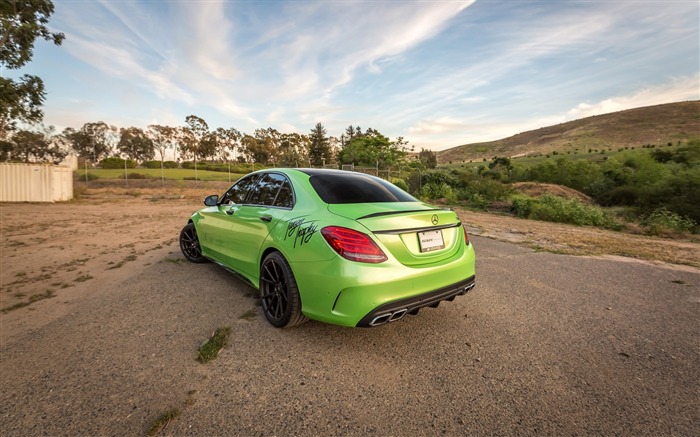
<point x="431" y="240"/>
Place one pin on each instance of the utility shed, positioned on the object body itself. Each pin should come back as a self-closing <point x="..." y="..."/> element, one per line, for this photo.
<point x="35" y="183"/>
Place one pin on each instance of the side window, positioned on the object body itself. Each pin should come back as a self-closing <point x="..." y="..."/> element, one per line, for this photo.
<point x="285" y="196"/>
<point x="238" y="192"/>
<point x="265" y="191"/>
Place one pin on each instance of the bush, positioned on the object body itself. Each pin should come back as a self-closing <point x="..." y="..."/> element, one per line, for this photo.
<point x="560" y="210"/>
<point x="90" y="177"/>
<point x="171" y="164"/>
<point x="488" y="190"/>
<point x="401" y="184"/>
<point x="116" y="163"/>
<point x="437" y="190"/>
<point x="151" y="164"/>
<point x="663" y="220"/>
<point x="134" y="176"/>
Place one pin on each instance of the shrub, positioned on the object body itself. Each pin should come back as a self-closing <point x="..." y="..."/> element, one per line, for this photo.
<point x="437" y="190"/>
<point x="560" y="210"/>
<point x="116" y="163"/>
<point x="90" y="177"/>
<point x="663" y="220"/>
<point x="488" y="190"/>
<point x="151" y="164"/>
<point x="170" y="164"/>
<point x="134" y="176"/>
<point x="401" y="184"/>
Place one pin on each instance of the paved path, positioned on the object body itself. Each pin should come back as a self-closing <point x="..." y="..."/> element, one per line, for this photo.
<point x="545" y="345"/>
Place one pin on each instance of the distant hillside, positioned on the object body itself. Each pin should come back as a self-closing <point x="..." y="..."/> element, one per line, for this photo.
<point x="634" y="127"/>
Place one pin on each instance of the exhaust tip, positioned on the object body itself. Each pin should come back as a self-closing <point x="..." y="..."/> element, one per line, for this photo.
<point x="398" y="315"/>
<point x="380" y="320"/>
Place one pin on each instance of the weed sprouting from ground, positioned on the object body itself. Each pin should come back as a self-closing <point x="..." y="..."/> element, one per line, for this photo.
<point x="83" y="278"/>
<point x="121" y="263"/>
<point x="162" y="421"/>
<point x="249" y="315"/>
<point x="210" y="348"/>
<point x="33" y="298"/>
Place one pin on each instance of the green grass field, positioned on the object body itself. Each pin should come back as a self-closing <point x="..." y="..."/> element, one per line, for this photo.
<point x="154" y="173"/>
<point x="599" y="156"/>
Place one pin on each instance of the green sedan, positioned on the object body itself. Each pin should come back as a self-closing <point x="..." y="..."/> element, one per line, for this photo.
<point x="335" y="246"/>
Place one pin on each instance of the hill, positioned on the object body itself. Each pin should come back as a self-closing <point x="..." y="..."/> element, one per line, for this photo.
<point x="658" y="124"/>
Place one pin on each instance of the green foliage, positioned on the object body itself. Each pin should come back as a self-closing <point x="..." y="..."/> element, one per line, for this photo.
<point x="664" y="221"/>
<point x="481" y="192"/>
<point x="116" y="163"/>
<point x="135" y="144"/>
<point x="319" y="149"/>
<point x="401" y="184"/>
<point x="134" y="176"/>
<point x="151" y="164"/>
<point x="372" y="149"/>
<point x="428" y="158"/>
<point x="437" y="190"/>
<point x="21" y="23"/>
<point x="156" y="164"/>
<point x="644" y="179"/>
<point x="560" y="210"/>
<point x="210" y="348"/>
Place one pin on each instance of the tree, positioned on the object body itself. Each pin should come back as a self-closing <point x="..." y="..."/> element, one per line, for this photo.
<point x="228" y="141"/>
<point x="196" y="141"/>
<point x="163" y="137"/>
<point x="427" y="158"/>
<point x="135" y="144"/>
<point x="319" y="150"/>
<point x="93" y="141"/>
<point x="21" y="22"/>
<point x="293" y="150"/>
<point x="373" y="149"/>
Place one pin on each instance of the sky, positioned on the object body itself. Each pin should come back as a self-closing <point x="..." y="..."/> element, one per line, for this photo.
<point x="438" y="73"/>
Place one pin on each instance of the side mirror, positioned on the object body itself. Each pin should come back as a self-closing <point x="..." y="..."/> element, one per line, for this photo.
<point x="211" y="200"/>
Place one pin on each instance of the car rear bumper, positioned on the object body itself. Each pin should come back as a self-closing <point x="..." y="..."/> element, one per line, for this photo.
<point x="348" y="293"/>
<point x="393" y="311"/>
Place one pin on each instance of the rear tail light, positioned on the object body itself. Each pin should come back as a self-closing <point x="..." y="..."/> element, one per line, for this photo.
<point x="466" y="236"/>
<point x="353" y="245"/>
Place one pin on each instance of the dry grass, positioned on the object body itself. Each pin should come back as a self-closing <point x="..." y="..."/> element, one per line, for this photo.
<point x="635" y="127"/>
<point x="576" y="240"/>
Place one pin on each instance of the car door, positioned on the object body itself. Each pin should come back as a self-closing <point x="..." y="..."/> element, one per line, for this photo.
<point x="215" y="227"/>
<point x="269" y="200"/>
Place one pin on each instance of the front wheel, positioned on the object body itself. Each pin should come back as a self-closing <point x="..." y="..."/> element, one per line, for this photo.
<point x="189" y="244"/>
<point x="279" y="294"/>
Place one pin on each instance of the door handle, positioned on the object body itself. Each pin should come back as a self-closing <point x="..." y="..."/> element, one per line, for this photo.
<point x="266" y="218"/>
<point x="230" y="211"/>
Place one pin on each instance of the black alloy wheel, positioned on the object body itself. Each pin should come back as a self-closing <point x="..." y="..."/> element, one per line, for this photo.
<point x="279" y="294"/>
<point x="189" y="244"/>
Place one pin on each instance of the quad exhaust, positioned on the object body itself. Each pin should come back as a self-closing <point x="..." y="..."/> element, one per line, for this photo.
<point x="388" y="317"/>
<point x="393" y="311"/>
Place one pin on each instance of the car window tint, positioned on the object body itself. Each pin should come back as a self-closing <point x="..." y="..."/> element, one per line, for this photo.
<point x="285" y="196"/>
<point x="356" y="188"/>
<point x="265" y="192"/>
<point x="238" y="192"/>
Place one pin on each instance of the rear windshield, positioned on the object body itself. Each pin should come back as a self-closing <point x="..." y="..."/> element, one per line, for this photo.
<point x="353" y="188"/>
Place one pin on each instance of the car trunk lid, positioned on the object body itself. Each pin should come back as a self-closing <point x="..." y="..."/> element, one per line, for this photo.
<point x="414" y="233"/>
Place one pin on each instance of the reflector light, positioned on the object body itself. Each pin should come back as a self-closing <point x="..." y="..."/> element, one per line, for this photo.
<point x="466" y="236"/>
<point x="353" y="245"/>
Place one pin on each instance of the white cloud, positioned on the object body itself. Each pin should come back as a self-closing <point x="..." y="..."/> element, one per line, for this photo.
<point x="677" y="90"/>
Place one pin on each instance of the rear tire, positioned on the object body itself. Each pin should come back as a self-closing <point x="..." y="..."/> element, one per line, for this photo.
<point x="279" y="294"/>
<point x="189" y="244"/>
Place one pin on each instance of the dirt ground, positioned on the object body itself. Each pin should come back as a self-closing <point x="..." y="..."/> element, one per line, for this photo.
<point x="46" y="249"/>
<point x="102" y="318"/>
